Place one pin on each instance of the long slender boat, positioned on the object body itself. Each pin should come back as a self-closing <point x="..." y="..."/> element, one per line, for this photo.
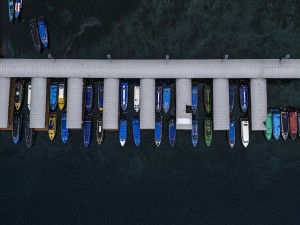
<point x="29" y="133"/>
<point x="11" y="11"/>
<point x="136" y="100"/>
<point x="293" y="119"/>
<point x="87" y="130"/>
<point x="166" y="98"/>
<point x="245" y="131"/>
<point x="35" y="35"/>
<point x="19" y="94"/>
<point x="124" y="95"/>
<point x="100" y="96"/>
<point x="194" y="99"/>
<point x="52" y="125"/>
<point x="159" y="98"/>
<point x="194" y="133"/>
<point x="231" y="132"/>
<point x="28" y="96"/>
<point x="158" y="130"/>
<point x="276" y="123"/>
<point x="244" y="98"/>
<point x="207" y="98"/>
<point x="18" y="8"/>
<point x="64" y="130"/>
<point x="231" y="98"/>
<point x="43" y="31"/>
<point x="136" y="131"/>
<point x="208" y="131"/>
<point x="17" y="127"/>
<point x="172" y="130"/>
<point x="53" y="96"/>
<point x="100" y="131"/>
<point x="61" y="95"/>
<point x="268" y="125"/>
<point x="284" y="124"/>
<point x="89" y="97"/>
<point x="298" y="124"/>
<point x="123" y="131"/>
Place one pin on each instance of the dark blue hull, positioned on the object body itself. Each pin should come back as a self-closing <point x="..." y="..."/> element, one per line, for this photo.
<point x="158" y="130"/>
<point x="136" y="131"/>
<point x="124" y="95"/>
<point x="276" y="124"/>
<point x="18" y="8"/>
<point x="167" y="99"/>
<point x="231" y="133"/>
<point x="89" y="98"/>
<point x="194" y="99"/>
<point x="87" y="128"/>
<point x="123" y="131"/>
<point x="244" y="98"/>
<point x="172" y="131"/>
<point x="231" y="98"/>
<point x="64" y="130"/>
<point x="43" y="31"/>
<point x="100" y="96"/>
<point x="195" y="132"/>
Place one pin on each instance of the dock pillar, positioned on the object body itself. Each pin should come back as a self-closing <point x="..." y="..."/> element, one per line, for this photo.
<point x="147" y="104"/>
<point x="4" y="101"/>
<point x="183" y="99"/>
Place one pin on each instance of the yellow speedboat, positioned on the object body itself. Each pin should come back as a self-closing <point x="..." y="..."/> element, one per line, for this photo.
<point x="52" y="125"/>
<point x="61" y="96"/>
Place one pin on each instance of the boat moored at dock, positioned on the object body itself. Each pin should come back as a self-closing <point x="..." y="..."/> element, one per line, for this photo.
<point x="194" y="99"/>
<point x="89" y="97"/>
<point x="100" y="131"/>
<point x="207" y="97"/>
<point x="29" y="133"/>
<point x="35" y="35"/>
<point x="136" y="100"/>
<point x="231" y="98"/>
<point x="43" y="31"/>
<point x="64" y="129"/>
<point x="158" y="98"/>
<point x="61" y="95"/>
<point x="194" y="132"/>
<point x="172" y="130"/>
<point x="293" y="119"/>
<point x="53" y="96"/>
<point x="123" y="131"/>
<point x="244" y="98"/>
<point x="52" y="125"/>
<point x="276" y="123"/>
<point x="231" y="132"/>
<point x="11" y="11"/>
<point x="18" y="8"/>
<point x="245" y="131"/>
<point x="100" y="96"/>
<point x="87" y="130"/>
<point x="298" y="124"/>
<point x="28" y="96"/>
<point x="124" y="95"/>
<point x="166" y="98"/>
<point x="158" y="130"/>
<point x="284" y="124"/>
<point x="17" y="127"/>
<point x="19" y="94"/>
<point x="268" y="125"/>
<point x="136" y="131"/>
<point x="208" y="130"/>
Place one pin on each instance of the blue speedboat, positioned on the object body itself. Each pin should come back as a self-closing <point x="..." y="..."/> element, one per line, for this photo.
<point x="172" y="131"/>
<point x="17" y="127"/>
<point x="194" y="99"/>
<point x="87" y="128"/>
<point x="158" y="130"/>
<point x="43" y="31"/>
<point x="158" y="98"/>
<point x="284" y="124"/>
<point x="231" y="132"/>
<point x="89" y="98"/>
<point x="100" y="96"/>
<point x="195" y="132"/>
<point x="18" y="8"/>
<point x="53" y="96"/>
<point x="123" y="131"/>
<point x="231" y="98"/>
<point x="64" y="130"/>
<point x="11" y="10"/>
<point x="167" y="99"/>
<point x="136" y="131"/>
<point x="276" y="124"/>
<point x="244" y="98"/>
<point x="124" y="95"/>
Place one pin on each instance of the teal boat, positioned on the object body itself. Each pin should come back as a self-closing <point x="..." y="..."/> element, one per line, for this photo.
<point x="268" y="125"/>
<point x="53" y="96"/>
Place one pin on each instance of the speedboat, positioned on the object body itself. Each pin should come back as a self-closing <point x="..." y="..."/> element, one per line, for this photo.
<point x="167" y="98"/>
<point x="11" y="11"/>
<point x="89" y="98"/>
<point x="158" y="130"/>
<point x="123" y="131"/>
<point x="17" y="127"/>
<point x="124" y="95"/>
<point x="136" y="131"/>
<point x="43" y="31"/>
<point x="194" y="132"/>
<point x="52" y="125"/>
<point x="87" y="128"/>
<point x="231" y="132"/>
<point x="100" y="96"/>
<point x="64" y="129"/>
<point x="53" y="96"/>
<point x="35" y="35"/>
<point x="244" y="98"/>
<point x="136" y="100"/>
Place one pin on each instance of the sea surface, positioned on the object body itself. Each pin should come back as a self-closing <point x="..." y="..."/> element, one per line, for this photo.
<point x="56" y="183"/>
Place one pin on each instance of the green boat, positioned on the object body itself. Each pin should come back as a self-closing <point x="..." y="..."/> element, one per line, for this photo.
<point x="207" y="98"/>
<point x="208" y="131"/>
<point x="268" y="124"/>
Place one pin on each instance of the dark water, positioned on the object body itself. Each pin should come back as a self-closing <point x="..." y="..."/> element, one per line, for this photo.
<point x="54" y="183"/>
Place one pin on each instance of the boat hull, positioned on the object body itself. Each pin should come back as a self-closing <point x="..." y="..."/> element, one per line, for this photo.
<point x="17" y="127"/>
<point x="166" y="99"/>
<point x="52" y="125"/>
<point x="35" y="35"/>
<point x="194" y="132"/>
<point x="100" y="131"/>
<point x="43" y="31"/>
<point x="124" y="95"/>
<point x="158" y="99"/>
<point x="231" y="98"/>
<point x="123" y="131"/>
<point x="293" y="120"/>
<point x="268" y="124"/>
<point x="172" y="131"/>
<point x="11" y="11"/>
<point x="100" y="96"/>
<point x="194" y="105"/>
<point x="29" y="133"/>
<point x="136" y="131"/>
<point x="89" y="98"/>
<point x="158" y="130"/>
<point x="87" y="128"/>
<point x="231" y="133"/>
<point x="208" y="131"/>
<point x="244" y="98"/>
<point x="207" y="98"/>
<point x="64" y="130"/>
<point x="53" y="96"/>
<point x="284" y="125"/>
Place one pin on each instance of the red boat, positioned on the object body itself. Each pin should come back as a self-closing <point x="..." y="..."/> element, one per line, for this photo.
<point x="293" y="117"/>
